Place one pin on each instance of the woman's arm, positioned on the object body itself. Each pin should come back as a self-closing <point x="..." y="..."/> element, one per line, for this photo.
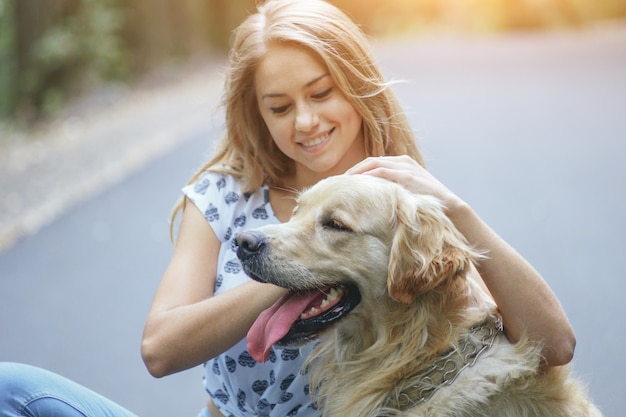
<point x="525" y="300"/>
<point x="186" y="324"/>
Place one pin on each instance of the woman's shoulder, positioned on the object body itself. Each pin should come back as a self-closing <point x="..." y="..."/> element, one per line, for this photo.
<point x="217" y="181"/>
<point x="220" y="197"/>
<point x="217" y="185"/>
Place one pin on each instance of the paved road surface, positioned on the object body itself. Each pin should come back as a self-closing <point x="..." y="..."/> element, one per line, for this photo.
<point x="531" y="130"/>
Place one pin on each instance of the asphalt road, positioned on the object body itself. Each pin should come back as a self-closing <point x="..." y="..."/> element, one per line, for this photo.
<point x="529" y="129"/>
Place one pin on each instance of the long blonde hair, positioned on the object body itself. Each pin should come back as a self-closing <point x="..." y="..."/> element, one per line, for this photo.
<point x="247" y="150"/>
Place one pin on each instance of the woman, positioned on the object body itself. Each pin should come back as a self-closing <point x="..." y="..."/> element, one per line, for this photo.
<point x="304" y="100"/>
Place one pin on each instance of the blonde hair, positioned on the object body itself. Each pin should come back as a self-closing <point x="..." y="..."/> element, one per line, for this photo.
<point x="247" y="150"/>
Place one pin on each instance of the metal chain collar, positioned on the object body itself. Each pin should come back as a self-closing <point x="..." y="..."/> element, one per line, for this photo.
<point x="446" y="368"/>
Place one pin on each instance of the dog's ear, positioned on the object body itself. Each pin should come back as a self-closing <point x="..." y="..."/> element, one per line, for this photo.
<point x="426" y="249"/>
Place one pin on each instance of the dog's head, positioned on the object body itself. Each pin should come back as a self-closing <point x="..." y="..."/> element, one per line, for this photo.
<point x="352" y="240"/>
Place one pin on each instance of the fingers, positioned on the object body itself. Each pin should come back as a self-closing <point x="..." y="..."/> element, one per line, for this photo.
<point x="402" y="170"/>
<point x="402" y="162"/>
<point x="405" y="171"/>
<point x="363" y="166"/>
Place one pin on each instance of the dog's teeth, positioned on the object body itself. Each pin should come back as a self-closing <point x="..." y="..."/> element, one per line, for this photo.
<point x="312" y="312"/>
<point x="333" y="294"/>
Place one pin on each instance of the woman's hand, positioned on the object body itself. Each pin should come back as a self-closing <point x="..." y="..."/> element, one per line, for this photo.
<point x="405" y="171"/>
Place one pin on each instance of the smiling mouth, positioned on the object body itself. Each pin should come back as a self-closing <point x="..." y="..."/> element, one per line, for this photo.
<point x="318" y="140"/>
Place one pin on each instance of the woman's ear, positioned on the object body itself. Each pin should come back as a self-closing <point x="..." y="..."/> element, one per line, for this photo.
<point x="425" y="251"/>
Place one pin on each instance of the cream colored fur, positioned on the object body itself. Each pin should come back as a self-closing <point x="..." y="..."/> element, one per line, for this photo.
<point x="420" y="294"/>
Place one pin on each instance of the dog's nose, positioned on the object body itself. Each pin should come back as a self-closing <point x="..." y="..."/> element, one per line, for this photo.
<point x="249" y="243"/>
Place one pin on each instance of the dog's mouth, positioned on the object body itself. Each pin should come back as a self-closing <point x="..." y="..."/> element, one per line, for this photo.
<point x="299" y="317"/>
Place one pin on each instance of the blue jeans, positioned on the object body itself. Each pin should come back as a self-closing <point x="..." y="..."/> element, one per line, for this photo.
<point x="27" y="391"/>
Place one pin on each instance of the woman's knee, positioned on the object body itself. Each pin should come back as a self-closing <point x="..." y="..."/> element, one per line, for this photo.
<point x="18" y="378"/>
<point x="30" y="391"/>
<point x="20" y="384"/>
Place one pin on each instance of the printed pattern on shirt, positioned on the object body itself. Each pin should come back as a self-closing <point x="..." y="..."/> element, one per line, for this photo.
<point x="239" y="385"/>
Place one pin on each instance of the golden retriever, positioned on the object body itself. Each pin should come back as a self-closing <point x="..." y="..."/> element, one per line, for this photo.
<point x="389" y="287"/>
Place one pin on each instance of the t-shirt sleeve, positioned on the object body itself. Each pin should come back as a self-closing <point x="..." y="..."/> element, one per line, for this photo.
<point x="215" y="194"/>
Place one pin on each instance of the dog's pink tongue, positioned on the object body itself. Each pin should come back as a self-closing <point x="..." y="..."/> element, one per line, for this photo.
<point x="274" y="323"/>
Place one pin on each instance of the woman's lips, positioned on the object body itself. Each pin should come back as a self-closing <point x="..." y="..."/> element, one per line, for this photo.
<point x="314" y="142"/>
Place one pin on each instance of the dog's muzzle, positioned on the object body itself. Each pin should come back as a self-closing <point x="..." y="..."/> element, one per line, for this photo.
<point x="304" y="312"/>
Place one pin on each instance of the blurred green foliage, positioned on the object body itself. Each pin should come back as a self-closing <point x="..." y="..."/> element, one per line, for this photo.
<point x="51" y="50"/>
<point x="7" y="58"/>
<point x="80" y="50"/>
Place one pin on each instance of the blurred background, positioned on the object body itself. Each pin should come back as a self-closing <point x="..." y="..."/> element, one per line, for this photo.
<point x="54" y="50"/>
<point x="108" y="106"/>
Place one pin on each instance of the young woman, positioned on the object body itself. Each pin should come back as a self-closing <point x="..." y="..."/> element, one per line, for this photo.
<point x="304" y="100"/>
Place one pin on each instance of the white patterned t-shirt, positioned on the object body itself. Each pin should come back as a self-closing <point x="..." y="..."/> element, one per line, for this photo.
<point x="239" y="385"/>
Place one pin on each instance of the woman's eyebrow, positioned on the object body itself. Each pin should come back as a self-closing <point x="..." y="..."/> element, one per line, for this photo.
<point x="310" y="83"/>
<point x="313" y="81"/>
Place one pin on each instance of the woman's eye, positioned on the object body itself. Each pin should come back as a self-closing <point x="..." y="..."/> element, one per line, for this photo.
<point x="323" y="94"/>
<point x="280" y="109"/>
<point x="336" y="225"/>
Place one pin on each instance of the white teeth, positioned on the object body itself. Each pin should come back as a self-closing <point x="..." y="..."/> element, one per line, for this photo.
<point x="332" y="295"/>
<point x="316" y="141"/>
<point x="313" y="311"/>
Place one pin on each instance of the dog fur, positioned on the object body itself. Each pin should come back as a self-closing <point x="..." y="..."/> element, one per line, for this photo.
<point x="420" y="295"/>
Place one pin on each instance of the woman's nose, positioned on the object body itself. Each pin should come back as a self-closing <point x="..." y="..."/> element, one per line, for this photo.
<point x="306" y="118"/>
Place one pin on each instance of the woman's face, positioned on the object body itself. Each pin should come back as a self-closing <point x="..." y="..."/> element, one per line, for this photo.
<point x="310" y="120"/>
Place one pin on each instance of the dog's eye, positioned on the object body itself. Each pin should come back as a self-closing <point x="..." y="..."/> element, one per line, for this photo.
<point x="336" y="225"/>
